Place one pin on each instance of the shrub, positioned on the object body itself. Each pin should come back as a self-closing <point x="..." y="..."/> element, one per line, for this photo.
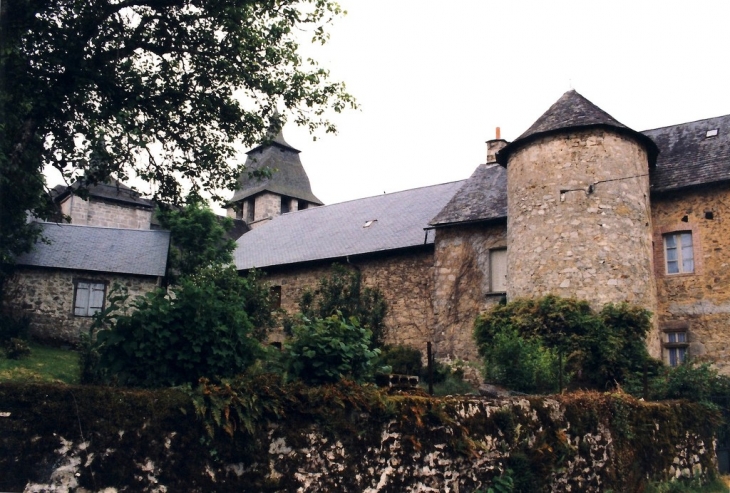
<point x="16" y="348"/>
<point x="324" y="350"/>
<point x="522" y="364"/>
<point x="342" y="292"/>
<point x="600" y="349"/>
<point x="199" y="330"/>
<point x="403" y="360"/>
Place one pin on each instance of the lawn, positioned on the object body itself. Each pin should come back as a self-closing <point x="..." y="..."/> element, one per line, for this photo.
<point x="45" y="364"/>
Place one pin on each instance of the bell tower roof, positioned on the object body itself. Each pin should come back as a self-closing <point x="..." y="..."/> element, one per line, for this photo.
<point x="574" y="112"/>
<point x="288" y="177"/>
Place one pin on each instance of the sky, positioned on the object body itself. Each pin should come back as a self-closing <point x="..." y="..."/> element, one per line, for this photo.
<point x="434" y="79"/>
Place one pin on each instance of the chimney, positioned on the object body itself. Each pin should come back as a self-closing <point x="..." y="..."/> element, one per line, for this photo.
<point x="494" y="146"/>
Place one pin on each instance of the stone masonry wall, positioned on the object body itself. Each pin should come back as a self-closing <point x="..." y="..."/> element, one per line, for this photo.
<point x="267" y="205"/>
<point x="404" y="279"/>
<point x="574" y="241"/>
<point x="461" y="285"/>
<point x="47" y="297"/>
<point x="106" y="214"/>
<point x="56" y="438"/>
<point x="702" y="299"/>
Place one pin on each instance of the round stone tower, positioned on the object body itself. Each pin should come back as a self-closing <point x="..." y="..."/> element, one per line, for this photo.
<point x="578" y="220"/>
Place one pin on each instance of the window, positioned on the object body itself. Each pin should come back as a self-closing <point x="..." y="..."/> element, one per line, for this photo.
<point x="251" y="210"/>
<point x="676" y="345"/>
<point x="679" y="253"/>
<point x="285" y="204"/>
<point x="498" y="270"/>
<point x="275" y="292"/>
<point x="89" y="298"/>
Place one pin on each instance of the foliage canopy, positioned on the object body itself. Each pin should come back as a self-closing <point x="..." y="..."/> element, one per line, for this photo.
<point x="198" y="238"/>
<point x="600" y="349"/>
<point x="200" y="329"/>
<point x="325" y="350"/>
<point x="159" y="89"/>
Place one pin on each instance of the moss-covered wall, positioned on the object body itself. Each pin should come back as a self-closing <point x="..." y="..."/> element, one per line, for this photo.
<point x="342" y="438"/>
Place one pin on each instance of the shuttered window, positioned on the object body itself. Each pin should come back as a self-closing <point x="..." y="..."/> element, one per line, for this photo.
<point x="89" y="298"/>
<point x="498" y="270"/>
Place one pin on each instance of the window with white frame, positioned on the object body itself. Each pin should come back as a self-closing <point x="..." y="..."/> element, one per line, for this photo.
<point x="676" y="347"/>
<point x="679" y="253"/>
<point x="89" y="298"/>
<point x="498" y="270"/>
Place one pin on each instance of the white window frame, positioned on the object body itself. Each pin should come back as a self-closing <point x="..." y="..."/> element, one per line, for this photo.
<point x="678" y="253"/>
<point x="89" y="297"/>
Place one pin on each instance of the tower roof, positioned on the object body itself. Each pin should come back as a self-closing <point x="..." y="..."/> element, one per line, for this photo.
<point x="288" y="177"/>
<point x="574" y="112"/>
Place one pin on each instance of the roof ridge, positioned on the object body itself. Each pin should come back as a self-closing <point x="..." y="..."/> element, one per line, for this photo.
<point x="379" y="195"/>
<point x="64" y="225"/>
<point x="685" y="123"/>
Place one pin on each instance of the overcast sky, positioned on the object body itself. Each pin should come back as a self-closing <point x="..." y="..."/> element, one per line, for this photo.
<point x="435" y="78"/>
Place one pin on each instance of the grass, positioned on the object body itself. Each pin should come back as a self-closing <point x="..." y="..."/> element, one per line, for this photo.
<point x="718" y="485"/>
<point x="45" y="364"/>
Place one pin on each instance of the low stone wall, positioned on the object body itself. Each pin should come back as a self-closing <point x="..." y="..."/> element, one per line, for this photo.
<point x="344" y="438"/>
<point x="47" y="296"/>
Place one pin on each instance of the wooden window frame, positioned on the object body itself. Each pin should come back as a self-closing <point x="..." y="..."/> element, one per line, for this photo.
<point x="660" y="256"/>
<point x="673" y="328"/>
<point x="76" y="283"/>
<point x="677" y="237"/>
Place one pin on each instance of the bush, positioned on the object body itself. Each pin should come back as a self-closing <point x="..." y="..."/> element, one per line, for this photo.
<point x="324" y="350"/>
<point x="692" y="380"/>
<point x="17" y="348"/>
<point x="199" y="330"/>
<point x="403" y="360"/>
<point x="342" y="292"/>
<point x="522" y="364"/>
<point x="599" y="349"/>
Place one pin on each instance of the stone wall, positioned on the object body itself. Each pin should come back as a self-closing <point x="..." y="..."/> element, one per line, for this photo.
<point x="106" y="214"/>
<point x="95" y="439"/>
<point x="268" y="205"/>
<point x="405" y="279"/>
<point x="579" y="223"/>
<point x="462" y="285"/>
<point x="701" y="299"/>
<point x="47" y="297"/>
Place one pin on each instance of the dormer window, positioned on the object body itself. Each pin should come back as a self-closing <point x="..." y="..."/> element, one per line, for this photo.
<point x="369" y="223"/>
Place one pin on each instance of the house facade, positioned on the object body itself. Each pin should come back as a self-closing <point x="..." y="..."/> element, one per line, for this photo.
<point x="65" y="280"/>
<point x="578" y="206"/>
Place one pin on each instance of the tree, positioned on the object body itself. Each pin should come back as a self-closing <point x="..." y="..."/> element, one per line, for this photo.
<point x="159" y="89"/>
<point x="198" y="238"/>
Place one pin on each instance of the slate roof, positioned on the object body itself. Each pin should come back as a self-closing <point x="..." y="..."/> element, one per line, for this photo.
<point x="337" y="230"/>
<point x="482" y="198"/>
<point x="288" y="177"/>
<point x="688" y="157"/>
<point x="121" y="251"/>
<point x="115" y="192"/>
<point x="573" y="112"/>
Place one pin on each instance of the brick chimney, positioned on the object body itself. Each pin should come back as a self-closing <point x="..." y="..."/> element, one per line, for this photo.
<point x="494" y="146"/>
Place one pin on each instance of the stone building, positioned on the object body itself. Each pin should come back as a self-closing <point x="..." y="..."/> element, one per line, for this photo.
<point x="578" y="205"/>
<point x="63" y="282"/>
<point x="111" y="205"/>
<point x="286" y="189"/>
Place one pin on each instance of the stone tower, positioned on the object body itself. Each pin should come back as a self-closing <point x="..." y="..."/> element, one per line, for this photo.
<point x="287" y="190"/>
<point x="579" y="223"/>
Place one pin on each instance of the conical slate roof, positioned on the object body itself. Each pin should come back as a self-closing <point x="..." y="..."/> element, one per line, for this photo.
<point x="288" y="176"/>
<point x="574" y="112"/>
